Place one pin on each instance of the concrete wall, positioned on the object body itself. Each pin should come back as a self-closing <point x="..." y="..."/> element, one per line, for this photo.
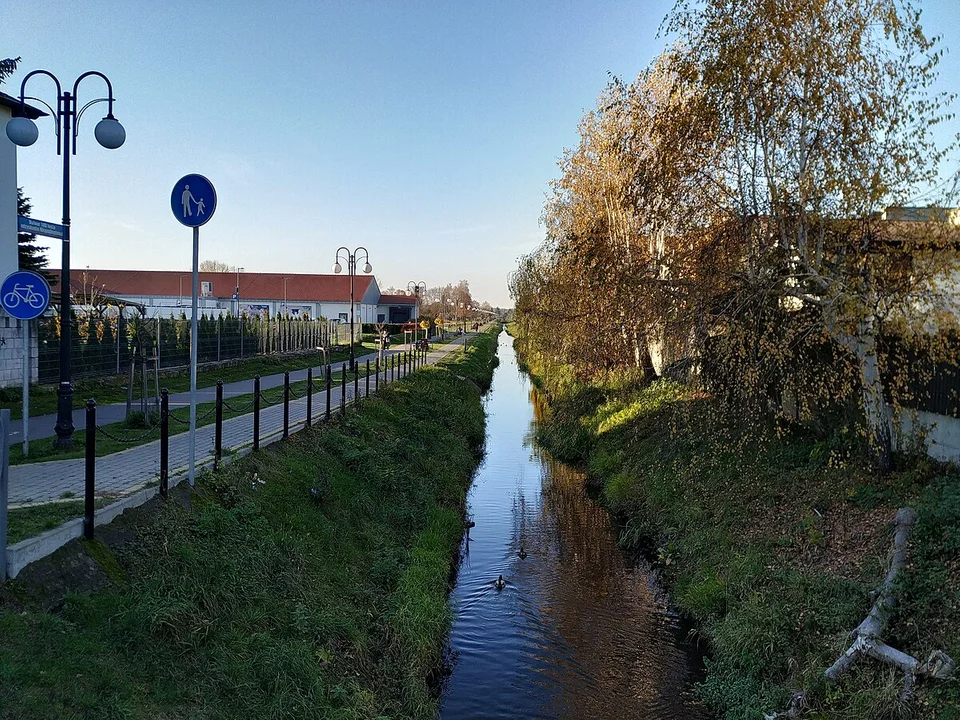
<point x="940" y="434"/>
<point x="11" y="352"/>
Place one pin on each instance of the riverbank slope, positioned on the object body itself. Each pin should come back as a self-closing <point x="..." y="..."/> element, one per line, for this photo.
<point x="772" y="548"/>
<point x="307" y="580"/>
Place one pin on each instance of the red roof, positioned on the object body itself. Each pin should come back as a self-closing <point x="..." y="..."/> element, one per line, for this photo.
<point x="398" y="300"/>
<point x="253" y="286"/>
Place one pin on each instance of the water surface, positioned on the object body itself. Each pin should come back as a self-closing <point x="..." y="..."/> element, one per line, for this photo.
<point x="580" y="630"/>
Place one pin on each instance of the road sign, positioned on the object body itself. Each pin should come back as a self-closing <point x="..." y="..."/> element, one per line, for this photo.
<point x="193" y="200"/>
<point x="40" y="227"/>
<point x="25" y="295"/>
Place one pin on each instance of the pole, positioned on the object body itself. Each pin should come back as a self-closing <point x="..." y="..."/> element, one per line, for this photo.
<point x="90" y="469"/>
<point x="218" y="431"/>
<point x="194" y="303"/>
<point x="4" y="480"/>
<point x="309" y="397"/>
<point x="329" y="386"/>
<point x="352" y="266"/>
<point x="286" y="404"/>
<point x="64" y="427"/>
<point x="343" y="388"/>
<point x="367" y="376"/>
<point x="164" y="441"/>
<point x="26" y="389"/>
<point x="256" y="412"/>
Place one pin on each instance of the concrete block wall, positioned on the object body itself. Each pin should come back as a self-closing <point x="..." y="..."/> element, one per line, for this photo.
<point x="940" y="433"/>
<point x="11" y="352"/>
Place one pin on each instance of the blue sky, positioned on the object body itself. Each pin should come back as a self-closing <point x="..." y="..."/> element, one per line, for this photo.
<point x="425" y="131"/>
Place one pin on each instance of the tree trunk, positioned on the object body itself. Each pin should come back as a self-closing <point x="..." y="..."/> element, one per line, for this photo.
<point x="874" y="404"/>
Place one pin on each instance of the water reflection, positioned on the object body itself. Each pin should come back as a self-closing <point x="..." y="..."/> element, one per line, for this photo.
<point x="578" y="632"/>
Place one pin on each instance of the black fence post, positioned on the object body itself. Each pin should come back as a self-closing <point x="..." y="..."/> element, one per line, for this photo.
<point x="368" y="377"/>
<point x="329" y="385"/>
<point x="164" y="442"/>
<point x="286" y="404"/>
<point x="218" y="431"/>
<point x="343" y="388"/>
<point x="356" y="382"/>
<point x="406" y="363"/>
<point x="256" y="412"/>
<point x="309" y="397"/>
<point x="90" y="469"/>
<point x="376" y="380"/>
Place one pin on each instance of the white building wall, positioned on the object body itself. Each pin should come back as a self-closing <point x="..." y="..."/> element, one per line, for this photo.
<point x="11" y="339"/>
<point x="8" y="200"/>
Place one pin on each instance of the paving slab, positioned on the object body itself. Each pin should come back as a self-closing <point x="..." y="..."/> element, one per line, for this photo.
<point x="124" y="472"/>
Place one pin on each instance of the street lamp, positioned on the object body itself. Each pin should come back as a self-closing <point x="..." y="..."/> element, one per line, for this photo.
<point x="239" y="319"/>
<point x="351" y="258"/>
<point x="110" y="134"/>
<point x="417" y="289"/>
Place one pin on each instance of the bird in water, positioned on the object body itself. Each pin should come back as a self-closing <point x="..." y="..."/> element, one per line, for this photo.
<point x="522" y="554"/>
<point x="500" y="584"/>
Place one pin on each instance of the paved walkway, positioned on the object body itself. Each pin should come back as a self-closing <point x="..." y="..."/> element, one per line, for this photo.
<point x="42" y="426"/>
<point x="129" y="470"/>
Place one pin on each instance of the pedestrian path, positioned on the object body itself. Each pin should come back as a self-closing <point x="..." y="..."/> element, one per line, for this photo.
<point x="42" y="426"/>
<point x="121" y="473"/>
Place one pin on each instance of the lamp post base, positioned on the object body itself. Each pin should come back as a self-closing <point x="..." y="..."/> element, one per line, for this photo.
<point x="64" y="427"/>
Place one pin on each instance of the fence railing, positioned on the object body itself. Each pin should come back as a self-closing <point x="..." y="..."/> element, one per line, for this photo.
<point x="394" y="367"/>
<point x="107" y="345"/>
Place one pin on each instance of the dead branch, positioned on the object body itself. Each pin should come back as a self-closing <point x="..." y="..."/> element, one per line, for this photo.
<point x="866" y="636"/>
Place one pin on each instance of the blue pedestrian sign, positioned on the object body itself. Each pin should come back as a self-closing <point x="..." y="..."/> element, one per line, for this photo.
<point x="25" y="295"/>
<point x="193" y="200"/>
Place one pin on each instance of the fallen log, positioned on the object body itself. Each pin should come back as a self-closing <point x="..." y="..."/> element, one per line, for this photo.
<point x="866" y="636"/>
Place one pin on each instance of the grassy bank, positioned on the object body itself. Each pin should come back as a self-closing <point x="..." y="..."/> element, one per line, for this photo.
<point x="307" y="580"/>
<point x="774" y="547"/>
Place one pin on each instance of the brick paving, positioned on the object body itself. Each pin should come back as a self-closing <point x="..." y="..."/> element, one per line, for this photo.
<point x="124" y="472"/>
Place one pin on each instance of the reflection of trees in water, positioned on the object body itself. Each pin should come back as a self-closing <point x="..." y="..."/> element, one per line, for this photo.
<point x="624" y="661"/>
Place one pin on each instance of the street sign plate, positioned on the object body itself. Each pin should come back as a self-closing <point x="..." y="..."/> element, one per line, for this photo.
<point x="40" y="227"/>
<point x="25" y="295"/>
<point x="193" y="200"/>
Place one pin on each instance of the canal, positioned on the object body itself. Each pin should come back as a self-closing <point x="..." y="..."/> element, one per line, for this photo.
<point x="579" y="630"/>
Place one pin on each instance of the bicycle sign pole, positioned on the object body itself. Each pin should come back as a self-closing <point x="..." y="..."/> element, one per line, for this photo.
<point x="193" y="202"/>
<point x="25" y="295"/>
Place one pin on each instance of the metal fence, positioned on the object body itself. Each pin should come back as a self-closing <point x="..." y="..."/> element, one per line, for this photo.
<point x="107" y="345"/>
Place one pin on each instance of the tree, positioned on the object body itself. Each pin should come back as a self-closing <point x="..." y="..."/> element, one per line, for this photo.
<point x="800" y="122"/>
<point x="31" y="255"/>
<point x="728" y="206"/>
<point x="215" y="266"/>
<point x="7" y="68"/>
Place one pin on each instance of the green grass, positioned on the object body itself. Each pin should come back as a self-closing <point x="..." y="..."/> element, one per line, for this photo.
<point x="308" y="580"/>
<point x="761" y="543"/>
<point x="26" y="522"/>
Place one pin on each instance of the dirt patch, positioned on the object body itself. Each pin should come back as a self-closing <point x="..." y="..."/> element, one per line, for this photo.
<point x="80" y="566"/>
<point x="844" y="541"/>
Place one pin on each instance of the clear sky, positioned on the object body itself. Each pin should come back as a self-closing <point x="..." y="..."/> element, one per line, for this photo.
<point x="425" y="131"/>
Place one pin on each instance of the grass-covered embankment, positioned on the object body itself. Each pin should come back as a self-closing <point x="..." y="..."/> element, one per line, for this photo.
<point x="306" y="580"/>
<point x="774" y="547"/>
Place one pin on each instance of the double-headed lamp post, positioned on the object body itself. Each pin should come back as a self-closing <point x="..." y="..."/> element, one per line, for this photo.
<point x="351" y="259"/>
<point x="417" y="289"/>
<point x="110" y="134"/>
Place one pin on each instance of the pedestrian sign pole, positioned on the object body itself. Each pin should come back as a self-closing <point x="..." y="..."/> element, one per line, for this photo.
<point x="193" y="202"/>
<point x="25" y="295"/>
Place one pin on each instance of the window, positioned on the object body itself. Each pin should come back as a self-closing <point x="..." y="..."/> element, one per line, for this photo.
<point x="381" y="317"/>
<point x="342" y="317"/>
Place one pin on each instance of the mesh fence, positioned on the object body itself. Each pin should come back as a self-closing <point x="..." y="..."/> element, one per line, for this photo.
<point x="106" y="345"/>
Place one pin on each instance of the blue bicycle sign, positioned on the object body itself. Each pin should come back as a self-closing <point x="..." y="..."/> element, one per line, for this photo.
<point x="25" y="295"/>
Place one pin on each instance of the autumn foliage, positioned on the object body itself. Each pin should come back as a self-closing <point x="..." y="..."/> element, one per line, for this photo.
<point x="731" y="216"/>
